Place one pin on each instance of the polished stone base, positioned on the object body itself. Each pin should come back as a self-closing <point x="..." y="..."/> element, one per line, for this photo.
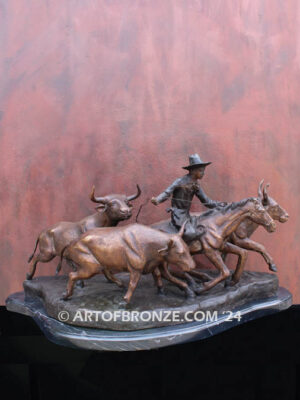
<point x="100" y="304"/>
<point x="98" y="339"/>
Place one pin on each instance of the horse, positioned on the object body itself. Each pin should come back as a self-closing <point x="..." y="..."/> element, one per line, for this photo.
<point x="216" y="226"/>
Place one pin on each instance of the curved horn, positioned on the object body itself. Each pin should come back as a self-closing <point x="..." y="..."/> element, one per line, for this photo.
<point x="260" y="193"/>
<point x="135" y="196"/>
<point x="181" y="232"/>
<point x="96" y="199"/>
<point x="265" y="192"/>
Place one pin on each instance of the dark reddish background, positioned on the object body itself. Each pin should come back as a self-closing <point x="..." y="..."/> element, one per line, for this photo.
<point x="120" y="92"/>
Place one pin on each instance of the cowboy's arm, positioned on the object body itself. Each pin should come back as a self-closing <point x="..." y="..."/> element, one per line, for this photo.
<point x="166" y="193"/>
<point x="209" y="203"/>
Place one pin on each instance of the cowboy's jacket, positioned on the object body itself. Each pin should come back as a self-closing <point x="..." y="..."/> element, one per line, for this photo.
<point x="183" y="190"/>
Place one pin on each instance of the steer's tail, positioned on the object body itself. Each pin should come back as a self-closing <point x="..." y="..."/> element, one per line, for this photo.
<point x="36" y="244"/>
<point x="62" y="254"/>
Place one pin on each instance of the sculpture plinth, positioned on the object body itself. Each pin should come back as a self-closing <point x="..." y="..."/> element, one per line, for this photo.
<point x="68" y="323"/>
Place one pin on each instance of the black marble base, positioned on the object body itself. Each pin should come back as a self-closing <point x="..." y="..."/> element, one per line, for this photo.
<point x="105" y="340"/>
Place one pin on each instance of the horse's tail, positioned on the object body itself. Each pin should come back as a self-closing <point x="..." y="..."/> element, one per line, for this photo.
<point x="36" y="244"/>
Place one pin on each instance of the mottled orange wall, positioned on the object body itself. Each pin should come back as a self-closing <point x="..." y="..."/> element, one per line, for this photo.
<point x="121" y="91"/>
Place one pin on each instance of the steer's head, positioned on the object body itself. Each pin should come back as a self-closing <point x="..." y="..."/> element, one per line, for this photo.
<point x="177" y="252"/>
<point x="116" y="206"/>
<point x="274" y="209"/>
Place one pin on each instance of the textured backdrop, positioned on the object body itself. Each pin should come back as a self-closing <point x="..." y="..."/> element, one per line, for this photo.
<point x="120" y="92"/>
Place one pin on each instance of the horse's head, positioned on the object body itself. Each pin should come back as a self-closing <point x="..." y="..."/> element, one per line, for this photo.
<point x="259" y="214"/>
<point x="274" y="209"/>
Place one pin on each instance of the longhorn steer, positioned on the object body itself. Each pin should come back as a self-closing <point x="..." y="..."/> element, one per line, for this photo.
<point x="112" y="209"/>
<point x="137" y="249"/>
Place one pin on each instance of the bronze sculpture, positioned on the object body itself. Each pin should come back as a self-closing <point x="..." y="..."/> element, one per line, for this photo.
<point x="221" y="230"/>
<point x="113" y="208"/>
<point x="163" y="250"/>
<point x="137" y="249"/>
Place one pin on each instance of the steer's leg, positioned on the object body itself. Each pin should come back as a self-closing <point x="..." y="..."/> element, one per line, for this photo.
<point x="87" y="266"/>
<point x="41" y="257"/>
<point x="111" y="277"/>
<point x="75" y="276"/>
<point x="158" y="281"/>
<point x="178" y="282"/>
<point x="134" y="279"/>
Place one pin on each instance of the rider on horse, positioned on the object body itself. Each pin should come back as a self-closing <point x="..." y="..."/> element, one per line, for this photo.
<point x="182" y="191"/>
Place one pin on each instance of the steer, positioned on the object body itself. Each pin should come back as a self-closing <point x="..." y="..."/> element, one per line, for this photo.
<point x="112" y="209"/>
<point x="135" y="248"/>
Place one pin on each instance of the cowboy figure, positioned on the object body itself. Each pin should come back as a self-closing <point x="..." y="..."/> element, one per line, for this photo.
<point x="182" y="191"/>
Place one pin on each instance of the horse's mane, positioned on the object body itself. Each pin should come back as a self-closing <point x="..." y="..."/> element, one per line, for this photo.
<point x="230" y="207"/>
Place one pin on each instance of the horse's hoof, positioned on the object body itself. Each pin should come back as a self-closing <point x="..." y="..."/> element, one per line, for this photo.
<point x="64" y="297"/>
<point x="273" y="268"/>
<point x="189" y="293"/>
<point x="161" y="291"/>
<point x="227" y="283"/>
<point x="192" y="285"/>
<point x="28" y="277"/>
<point x="201" y="289"/>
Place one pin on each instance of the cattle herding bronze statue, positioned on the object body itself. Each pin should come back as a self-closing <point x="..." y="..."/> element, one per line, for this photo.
<point x="112" y="209"/>
<point x="95" y="245"/>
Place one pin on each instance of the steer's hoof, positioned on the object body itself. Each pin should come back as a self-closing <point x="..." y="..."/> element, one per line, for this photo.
<point x="65" y="297"/>
<point x="273" y="268"/>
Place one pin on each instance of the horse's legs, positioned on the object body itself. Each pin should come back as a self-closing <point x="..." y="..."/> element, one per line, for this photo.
<point x="184" y="275"/>
<point x="242" y="254"/>
<point x="215" y="257"/>
<point x="259" y="248"/>
<point x="201" y="275"/>
<point x="182" y="285"/>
